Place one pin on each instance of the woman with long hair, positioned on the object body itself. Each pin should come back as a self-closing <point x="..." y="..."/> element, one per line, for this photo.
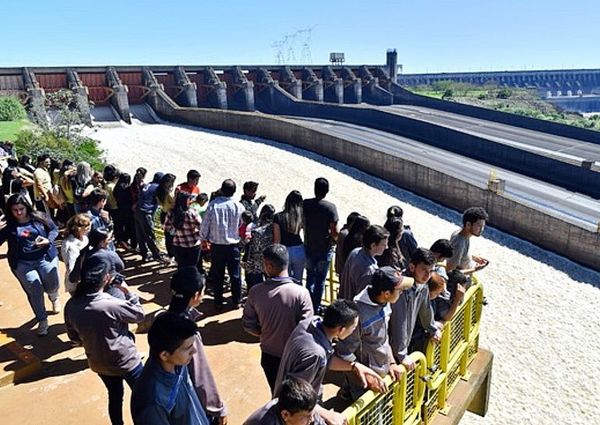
<point x="392" y="256"/>
<point x="183" y="224"/>
<point x="32" y="255"/>
<point x="124" y="226"/>
<point x="75" y="241"/>
<point x="261" y="237"/>
<point x="287" y="225"/>
<point x="354" y="237"/>
<point x="82" y="186"/>
<point x="137" y="184"/>
<point x="67" y="170"/>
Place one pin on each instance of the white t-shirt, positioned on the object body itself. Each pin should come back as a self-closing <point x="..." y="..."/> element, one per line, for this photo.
<point x="70" y="250"/>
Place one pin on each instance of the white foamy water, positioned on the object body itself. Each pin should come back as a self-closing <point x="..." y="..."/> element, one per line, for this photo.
<point x="542" y="319"/>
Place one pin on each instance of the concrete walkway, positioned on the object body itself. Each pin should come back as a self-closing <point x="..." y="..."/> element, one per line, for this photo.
<point x="66" y="392"/>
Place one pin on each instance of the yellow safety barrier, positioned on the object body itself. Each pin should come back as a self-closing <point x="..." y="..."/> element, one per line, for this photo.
<point x="401" y="404"/>
<point x="440" y="369"/>
<point x="332" y="286"/>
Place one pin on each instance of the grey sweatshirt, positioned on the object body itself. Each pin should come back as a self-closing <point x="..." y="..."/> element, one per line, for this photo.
<point x="412" y="304"/>
<point x="202" y="377"/>
<point x="357" y="273"/>
<point x="369" y="343"/>
<point x="306" y="355"/>
<point x="273" y="310"/>
<point x="100" y="322"/>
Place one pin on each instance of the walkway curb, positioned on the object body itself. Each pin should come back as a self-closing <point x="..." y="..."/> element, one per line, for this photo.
<point x="17" y="363"/>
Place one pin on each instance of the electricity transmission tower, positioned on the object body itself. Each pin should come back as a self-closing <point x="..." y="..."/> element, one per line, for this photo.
<point x="285" y="48"/>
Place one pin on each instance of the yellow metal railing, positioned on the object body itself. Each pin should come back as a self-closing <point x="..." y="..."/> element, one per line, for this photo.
<point x="401" y="404"/>
<point x="438" y="371"/>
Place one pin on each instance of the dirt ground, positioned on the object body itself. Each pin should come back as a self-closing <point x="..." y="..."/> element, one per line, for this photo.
<point x="67" y="392"/>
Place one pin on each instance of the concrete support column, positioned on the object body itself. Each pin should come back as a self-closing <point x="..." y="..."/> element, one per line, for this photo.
<point x="312" y="86"/>
<point x="152" y="83"/>
<point x="333" y="87"/>
<point x="352" y="86"/>
<point x="37" y="97"/>
<point x="119" y="98"/>
<point x="382" y="76"/>
<point x="392" y="64"/>
<point x="289" y="82"/>
<point x="188" y="96"/>
<point x="241" y="92"/>
<point x="217" y="90"/>
<point x="265" y="90"/>
<point x="372" y="92"/>
<point x="81" y="96"/>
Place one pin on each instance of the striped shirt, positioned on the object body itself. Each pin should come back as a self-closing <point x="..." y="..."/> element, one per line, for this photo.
<point x="222" y="221"/>
<point x="189" y="234"/>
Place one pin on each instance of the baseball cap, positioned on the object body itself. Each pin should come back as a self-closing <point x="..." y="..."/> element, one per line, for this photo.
<point x="394" y="276"/>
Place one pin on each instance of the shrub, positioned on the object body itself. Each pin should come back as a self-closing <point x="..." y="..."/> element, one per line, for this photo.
<point x="11" y="109"/>
<point x="504" y="93"/>
<point x="36" y="143"/>
<point x="447" y="94"/>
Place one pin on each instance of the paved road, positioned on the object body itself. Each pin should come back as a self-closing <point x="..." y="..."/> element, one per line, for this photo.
<point x="521" y="138"/>
<point x="580" y="209"/>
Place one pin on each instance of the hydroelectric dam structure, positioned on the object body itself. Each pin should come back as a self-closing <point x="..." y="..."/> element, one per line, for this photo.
<point x="538" y="180"/>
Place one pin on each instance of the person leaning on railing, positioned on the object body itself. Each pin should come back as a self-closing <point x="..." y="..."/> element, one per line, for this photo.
<point x="369" y="343"/>
<point x="308" y="354"/>
<point x="413" y="304"/>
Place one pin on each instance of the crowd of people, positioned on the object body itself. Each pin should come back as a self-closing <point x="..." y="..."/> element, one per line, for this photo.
<point x="394" y="295"/>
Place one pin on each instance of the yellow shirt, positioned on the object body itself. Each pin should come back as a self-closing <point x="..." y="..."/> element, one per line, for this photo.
<point x="41" y="183"/>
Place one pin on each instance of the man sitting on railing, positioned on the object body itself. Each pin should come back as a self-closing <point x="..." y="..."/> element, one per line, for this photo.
<point x="369" y="343"/>
<point x="309" y="353"/>
<point x="295" y="405"/>
<point x="412" y="303"/>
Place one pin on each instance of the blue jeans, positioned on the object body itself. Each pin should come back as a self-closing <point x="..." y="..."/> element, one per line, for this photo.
<point x="37" y="277"/>
<point x="317" y="268"/>
<point x="114" y="385"/>
<point x="297" y="262"/>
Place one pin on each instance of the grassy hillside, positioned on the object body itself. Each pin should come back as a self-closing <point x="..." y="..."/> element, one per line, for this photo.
<point x="10" y="129"/>
<point x="516" y="101"/>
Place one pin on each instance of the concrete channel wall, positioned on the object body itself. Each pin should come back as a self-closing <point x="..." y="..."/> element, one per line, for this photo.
<point x="539" y="227"/>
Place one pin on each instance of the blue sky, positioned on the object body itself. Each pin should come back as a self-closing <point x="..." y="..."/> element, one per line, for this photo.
<point x="430" y="36"/>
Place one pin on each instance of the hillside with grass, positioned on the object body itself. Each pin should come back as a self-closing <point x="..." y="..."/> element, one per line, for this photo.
<point x="518" y="101"/>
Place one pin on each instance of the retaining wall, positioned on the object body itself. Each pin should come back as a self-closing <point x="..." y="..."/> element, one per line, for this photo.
<point x="527" y="222"/>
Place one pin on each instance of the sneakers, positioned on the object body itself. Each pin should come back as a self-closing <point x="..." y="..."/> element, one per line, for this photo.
<point x="56" y="306"/>
<point x="42" y="328"/>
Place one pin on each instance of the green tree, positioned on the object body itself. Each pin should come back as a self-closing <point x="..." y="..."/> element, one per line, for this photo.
<point x="11" y="109"/>
<point x="65" y="118"/>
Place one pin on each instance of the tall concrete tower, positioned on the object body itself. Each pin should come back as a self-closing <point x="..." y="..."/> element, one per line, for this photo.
<point x="392" y="63"/>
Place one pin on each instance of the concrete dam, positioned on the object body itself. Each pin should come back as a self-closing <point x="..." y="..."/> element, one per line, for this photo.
<point x="359" y="115"/>
<point x="576" y="90"/>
